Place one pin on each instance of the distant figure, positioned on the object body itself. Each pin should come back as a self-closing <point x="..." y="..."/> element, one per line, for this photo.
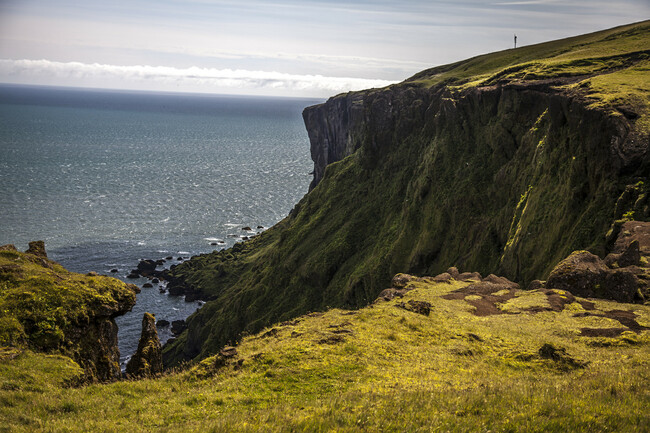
<point x="515" y="41"/>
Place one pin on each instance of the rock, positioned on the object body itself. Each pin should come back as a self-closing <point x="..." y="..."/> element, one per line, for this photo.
<point x="155" y="281"/>
<point x="146" y="267"/>
<point x="466" y="276"/>
<point x="630" y="231"/>
<point x="178" y="326"/>
<point x="37" y="248"/>
<point x="579" y="274"/>
<point x="147" y="360"/>
<point x="445" y="277"/>
<point x="388" y="294"/>
<point x="419" y="307"/>
<point x="585" y="274"/>
<point x="8" y="247"/>
<point x="247" y="228"/>
<point x="213" y="244"/>
<point x="536" y="285"/>
<point x="180" y="259"/>
<point x="453" y="271"/>
<point x="160" y="262"/>
<point x="620" y="285"/>
<point x="169" y="258"/>
<point x="133" y="275"/>
<point x="176" y="289"/>
<point x="260" y="227"/>
<point x="147" y="286"/>
<point x="631" y="256"/>
<point x="162" y="323"/>
<point x="114" y="270"/>
<point x="400" y="281"/>
<point x="92" y="274"/>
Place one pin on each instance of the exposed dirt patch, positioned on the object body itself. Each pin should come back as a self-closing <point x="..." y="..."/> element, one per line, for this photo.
<point x="625" y="318"/>
<point x="487" y="304"/>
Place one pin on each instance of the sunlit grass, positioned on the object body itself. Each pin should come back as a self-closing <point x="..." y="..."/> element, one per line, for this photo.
<point x="392" y="370"/>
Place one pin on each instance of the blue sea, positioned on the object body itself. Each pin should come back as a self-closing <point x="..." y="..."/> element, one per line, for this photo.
<point x="107" y="178"/>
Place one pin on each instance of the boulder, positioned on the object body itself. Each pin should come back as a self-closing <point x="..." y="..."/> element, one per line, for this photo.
<point x="400" y="281"/>
<point x="162" y="323"/>
<point x="178" y="326"/>
<point x="442" y="278"/>
<point x="147" y="360"/>
<point x="453" y="271"/>
<point x="585" y="274"/>
<point x="146" y="267"/>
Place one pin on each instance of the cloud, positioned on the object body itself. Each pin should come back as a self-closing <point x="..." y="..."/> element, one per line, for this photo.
<point x="187" y="79"/>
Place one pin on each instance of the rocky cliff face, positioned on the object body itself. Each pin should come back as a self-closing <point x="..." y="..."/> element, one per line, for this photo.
<point x="44" y="307"/>
<point x="501" y="164"/>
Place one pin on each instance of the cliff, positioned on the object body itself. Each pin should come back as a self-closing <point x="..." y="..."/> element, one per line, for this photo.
<point x="504" y="163"/>
<point x="45" y="308"/>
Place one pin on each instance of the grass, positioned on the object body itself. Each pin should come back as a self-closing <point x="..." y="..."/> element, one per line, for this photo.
<point x="390" y="370"/>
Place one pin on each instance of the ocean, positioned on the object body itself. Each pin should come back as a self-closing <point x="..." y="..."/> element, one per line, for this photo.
<point x="107" y="178"/>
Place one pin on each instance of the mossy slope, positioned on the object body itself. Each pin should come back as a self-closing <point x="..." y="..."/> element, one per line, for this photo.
<point x="44" y="307"/>
<point x="503" y="163"/>
<point x="529" y="365"/>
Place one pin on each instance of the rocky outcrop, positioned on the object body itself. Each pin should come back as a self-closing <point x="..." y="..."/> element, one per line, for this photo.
<point x="47" y="308"/>
<point x="37" y="248"/>
<point x="623" y="275"/>
<point x="147" y="360"/>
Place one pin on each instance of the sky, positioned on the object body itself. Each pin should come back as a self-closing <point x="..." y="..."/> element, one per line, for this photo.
<point x="300" y="48"/>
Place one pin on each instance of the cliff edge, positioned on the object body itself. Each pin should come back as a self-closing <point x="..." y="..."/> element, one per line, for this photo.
<point x="504" y="163"/>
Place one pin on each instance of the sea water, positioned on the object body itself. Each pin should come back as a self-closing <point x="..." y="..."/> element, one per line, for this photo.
<point x="107" y="178"/>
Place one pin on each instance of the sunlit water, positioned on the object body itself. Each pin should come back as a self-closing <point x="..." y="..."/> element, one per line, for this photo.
<point x="108" y="178"/>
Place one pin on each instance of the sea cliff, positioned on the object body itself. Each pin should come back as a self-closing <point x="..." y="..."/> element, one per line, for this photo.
<point x="504" y="163"/>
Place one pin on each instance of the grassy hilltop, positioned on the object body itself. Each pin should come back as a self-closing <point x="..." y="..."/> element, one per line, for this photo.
<point x="504" y="163"/>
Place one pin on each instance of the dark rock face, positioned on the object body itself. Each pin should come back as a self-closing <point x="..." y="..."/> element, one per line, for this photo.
<point x="147" y="360"/>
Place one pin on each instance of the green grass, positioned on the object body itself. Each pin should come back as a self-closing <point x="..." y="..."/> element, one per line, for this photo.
<point x="391" y="370"/>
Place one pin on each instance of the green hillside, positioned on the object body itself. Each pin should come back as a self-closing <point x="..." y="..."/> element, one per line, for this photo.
<point x="504" y="163"/>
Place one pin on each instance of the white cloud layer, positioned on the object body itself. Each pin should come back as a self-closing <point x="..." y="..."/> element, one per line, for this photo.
<point x="205" y="80"/>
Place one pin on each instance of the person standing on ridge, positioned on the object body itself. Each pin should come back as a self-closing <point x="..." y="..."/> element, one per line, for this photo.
<point x="515" y="41"/>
